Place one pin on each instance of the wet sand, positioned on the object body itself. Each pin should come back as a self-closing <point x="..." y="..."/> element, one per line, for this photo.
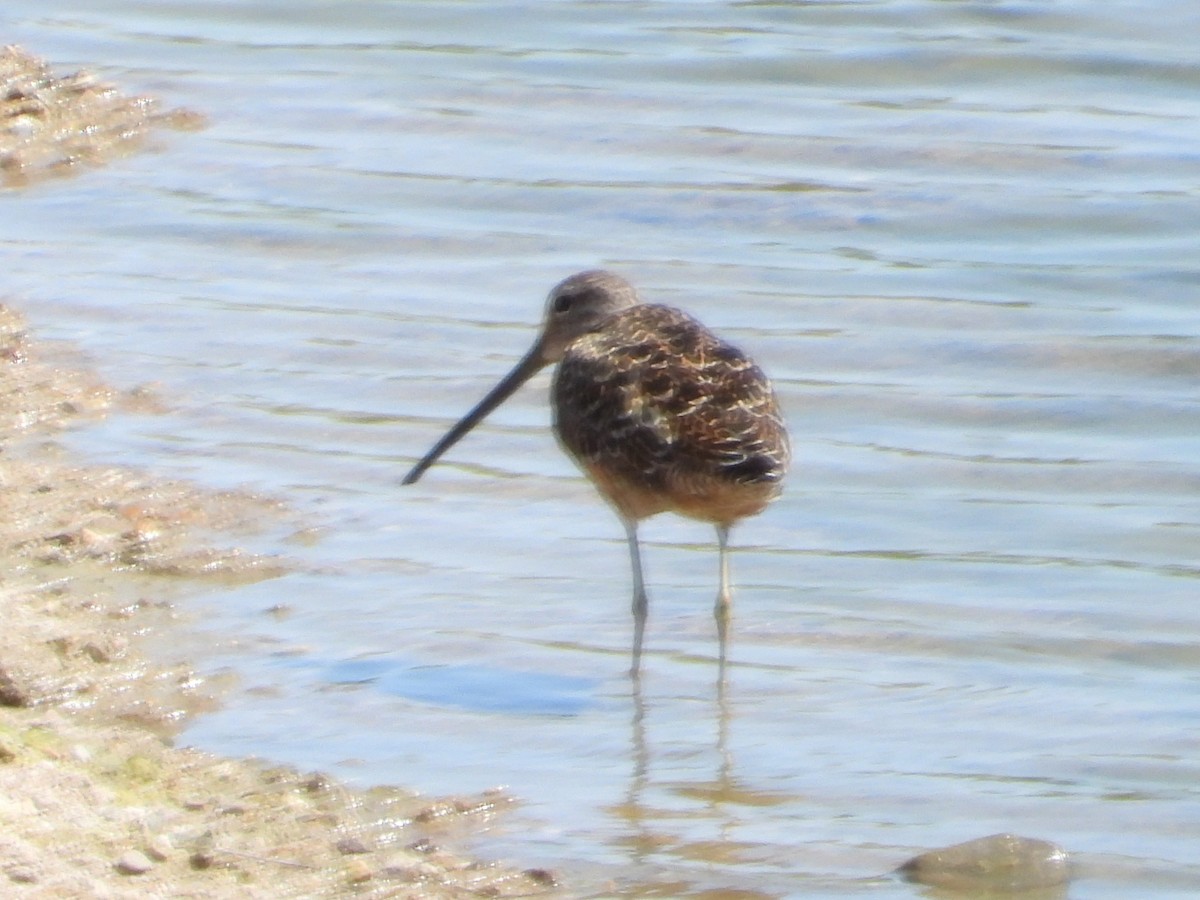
<point x="95" y="561"/>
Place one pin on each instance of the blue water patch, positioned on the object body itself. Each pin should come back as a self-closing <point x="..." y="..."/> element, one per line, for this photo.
<point x="472" y="687"/>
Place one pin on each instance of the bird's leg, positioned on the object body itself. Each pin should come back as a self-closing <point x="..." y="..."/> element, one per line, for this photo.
<point x="640" y="603"/>
<point x="724" y="599"/>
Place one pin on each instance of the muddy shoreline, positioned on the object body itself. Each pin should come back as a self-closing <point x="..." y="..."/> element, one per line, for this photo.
<point x="95" y="564"/>
<point x="95" y="798"/>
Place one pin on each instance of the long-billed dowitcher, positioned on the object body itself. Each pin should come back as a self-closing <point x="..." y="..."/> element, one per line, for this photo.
<point x="660" y="413"/>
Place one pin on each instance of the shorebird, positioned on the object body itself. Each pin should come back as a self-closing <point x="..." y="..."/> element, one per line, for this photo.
<point x="660" y="414"/>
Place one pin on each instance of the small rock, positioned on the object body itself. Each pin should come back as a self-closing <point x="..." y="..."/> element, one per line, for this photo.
<point x="428" y="870"/>
<point x="23" y="874"/>
<point x="14" y="689"/>
<point x="400" y="864"/>
<point x="349" y="845"/>
<point x="134" y="862"/>
<point x="999" y="862"/>
<point x="440" y="809"/>
<point x="542" y="877"/>
<point x="9" y="749"/>
<point x="317" y="783"/>
<point x="357" y="871"/>
<point x="20" y="861"/>
<point x="422" y="845"/>
<point x="159" y="848"/>
<point x="106" y="648"/>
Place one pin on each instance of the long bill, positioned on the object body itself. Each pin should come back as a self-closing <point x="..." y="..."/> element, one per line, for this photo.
<point x="530" y="365"/>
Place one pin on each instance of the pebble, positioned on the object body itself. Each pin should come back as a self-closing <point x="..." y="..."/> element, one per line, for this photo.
<point x="428" y="870"/>
<point x="542" y="876"/>
<point x="23" y="874"/>
<point x="358" y="871"/>
<point x="349" y="845"/>
<point x="999" y="862"/>
<point x="9" y="749"/>
<point x="159" y="848"/>
<point x="134" y="862"/>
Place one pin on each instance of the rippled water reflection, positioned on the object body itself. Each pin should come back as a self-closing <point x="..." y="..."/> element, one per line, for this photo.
<point x="959" y="235"/>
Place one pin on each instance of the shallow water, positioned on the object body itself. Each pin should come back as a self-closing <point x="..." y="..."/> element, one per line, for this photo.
<point x="961" y="238"/>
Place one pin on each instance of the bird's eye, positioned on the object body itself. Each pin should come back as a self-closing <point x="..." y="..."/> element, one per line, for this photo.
<point x="562" y="302"/>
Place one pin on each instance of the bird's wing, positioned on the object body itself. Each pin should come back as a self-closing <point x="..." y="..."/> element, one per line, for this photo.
<point x="657" y="395"/>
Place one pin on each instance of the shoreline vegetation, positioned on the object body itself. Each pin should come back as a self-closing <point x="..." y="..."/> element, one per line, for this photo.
<point x="95" y="798"/>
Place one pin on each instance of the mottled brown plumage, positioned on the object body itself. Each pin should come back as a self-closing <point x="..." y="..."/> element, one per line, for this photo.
<point x="659" y="412"/>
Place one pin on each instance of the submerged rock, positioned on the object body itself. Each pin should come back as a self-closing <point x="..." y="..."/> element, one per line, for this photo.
<point x="998" y="863"/>
<point x="56" y="124"/>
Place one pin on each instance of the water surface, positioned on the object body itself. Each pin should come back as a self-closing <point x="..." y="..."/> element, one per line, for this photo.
<point x="961" y="238"/>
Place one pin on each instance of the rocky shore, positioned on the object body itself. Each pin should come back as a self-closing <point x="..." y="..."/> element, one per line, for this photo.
<point x="95" y="798"/>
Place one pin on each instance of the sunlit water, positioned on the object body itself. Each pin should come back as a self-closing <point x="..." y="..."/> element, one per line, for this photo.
<point x="960" y="236"/>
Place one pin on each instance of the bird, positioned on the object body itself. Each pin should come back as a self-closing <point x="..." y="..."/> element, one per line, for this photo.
<point x="658" y="412"/>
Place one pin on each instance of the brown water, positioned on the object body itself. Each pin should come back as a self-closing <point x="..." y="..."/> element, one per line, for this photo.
<point x="960" y="236"/>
